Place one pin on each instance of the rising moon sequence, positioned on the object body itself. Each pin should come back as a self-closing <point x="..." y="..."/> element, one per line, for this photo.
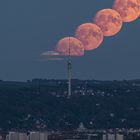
<point x="105" y="23"/>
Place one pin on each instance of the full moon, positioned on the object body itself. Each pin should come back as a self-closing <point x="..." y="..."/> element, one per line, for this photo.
<point x="109" y="21"/>
<point x="90" y="35"/>
<point x="128" y="9"/>
<point x="70" y="46"/>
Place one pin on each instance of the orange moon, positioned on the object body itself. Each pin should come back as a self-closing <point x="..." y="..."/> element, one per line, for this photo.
<point x="128" y="9"/>
<point x="90" y="35"/>
<point x="109" y="21"/>
<point x="70" y="46"/>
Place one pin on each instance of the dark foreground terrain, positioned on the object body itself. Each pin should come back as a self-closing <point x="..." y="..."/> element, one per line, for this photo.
<point x="43" y="104"/>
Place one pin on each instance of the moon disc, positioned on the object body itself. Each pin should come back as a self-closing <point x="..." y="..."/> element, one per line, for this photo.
<point x="109" y="21"/>
<point x="128" y="9"/>
<point x="70" y="46"/>
<point x="90" y="35"/>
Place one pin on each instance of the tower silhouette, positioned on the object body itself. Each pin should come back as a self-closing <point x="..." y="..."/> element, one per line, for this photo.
<point x="69" y="65"/>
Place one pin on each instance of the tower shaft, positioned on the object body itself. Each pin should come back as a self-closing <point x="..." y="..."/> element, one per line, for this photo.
<point x="69" y="77"/>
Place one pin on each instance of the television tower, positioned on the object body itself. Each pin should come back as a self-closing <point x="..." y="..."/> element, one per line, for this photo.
<point x="69" y="65"/>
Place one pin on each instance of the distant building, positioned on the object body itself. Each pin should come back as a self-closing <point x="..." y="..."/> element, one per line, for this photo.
<point x="23" y="136"/>
<point x="119" y="137"/>
<point x="1" y="138"/>
<point x="55" y="137"/>
<point x="16" y="136"/>
<point x="7" y="137"/>
<point x="43" y="136"/>
<point x="13" y="136"/>
<point x="34" y="136"/>
<point x="38" y="136"/>
<point x="113" y="137"/>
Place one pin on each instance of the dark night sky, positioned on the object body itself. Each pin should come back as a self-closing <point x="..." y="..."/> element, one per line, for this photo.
<point x="30" y="27"/>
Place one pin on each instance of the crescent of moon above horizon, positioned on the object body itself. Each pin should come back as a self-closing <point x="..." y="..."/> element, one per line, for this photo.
<point x="70" y="46"/>
<point x="128" y="9"/>
<point x="109" y="21"/>
<point x="90" y="35"/>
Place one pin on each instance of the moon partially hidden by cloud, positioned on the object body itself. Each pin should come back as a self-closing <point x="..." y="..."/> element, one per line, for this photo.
<point x="109" y="21"/>
<point x="90" y="35"/>
<point x="70" y="46"/>
<point x="128" y="9"/>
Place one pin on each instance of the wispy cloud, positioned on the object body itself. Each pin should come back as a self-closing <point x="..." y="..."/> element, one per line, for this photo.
<point x="52" y="55"/>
